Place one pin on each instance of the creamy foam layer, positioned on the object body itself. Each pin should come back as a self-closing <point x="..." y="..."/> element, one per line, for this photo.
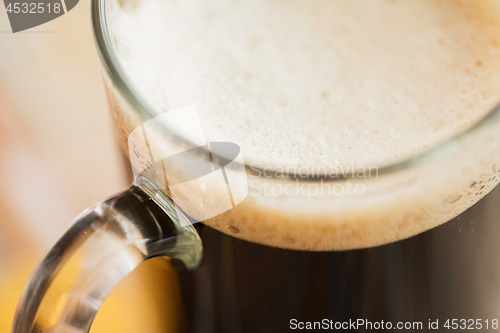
<point x="320" y="82"/>
<point x="327" y="84"/>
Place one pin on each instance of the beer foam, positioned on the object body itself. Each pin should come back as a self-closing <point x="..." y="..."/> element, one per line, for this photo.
<point x="319" y="83"/>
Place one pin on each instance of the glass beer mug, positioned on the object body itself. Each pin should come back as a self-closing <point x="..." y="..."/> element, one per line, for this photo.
<point x="271" y="257"/>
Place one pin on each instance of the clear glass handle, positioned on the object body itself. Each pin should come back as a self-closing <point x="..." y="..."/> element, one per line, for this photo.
<point x="104" y="244"/>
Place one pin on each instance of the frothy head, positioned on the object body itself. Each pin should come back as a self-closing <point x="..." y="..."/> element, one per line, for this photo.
<point x="324" y="84"/>
<point x="317" y="82"/>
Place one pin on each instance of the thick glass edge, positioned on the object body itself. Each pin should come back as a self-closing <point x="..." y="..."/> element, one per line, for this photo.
<point x="109" y="62"/>
<point x="114" y="71"/>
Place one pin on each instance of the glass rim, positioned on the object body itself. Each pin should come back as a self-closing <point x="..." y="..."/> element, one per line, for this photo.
<point x="115" y="72"/>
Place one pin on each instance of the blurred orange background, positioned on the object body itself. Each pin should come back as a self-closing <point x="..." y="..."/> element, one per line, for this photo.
<point x="59" y="155"/>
